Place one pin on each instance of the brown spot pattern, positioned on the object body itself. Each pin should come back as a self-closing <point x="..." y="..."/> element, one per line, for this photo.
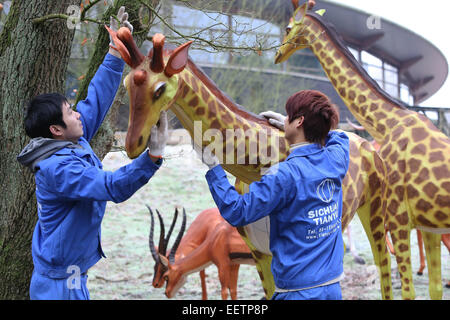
<point x="419" y="134"/>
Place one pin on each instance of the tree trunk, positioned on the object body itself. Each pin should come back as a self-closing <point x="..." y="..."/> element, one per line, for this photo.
<point x="103" y="140"/>
<point x="33" y="60"/>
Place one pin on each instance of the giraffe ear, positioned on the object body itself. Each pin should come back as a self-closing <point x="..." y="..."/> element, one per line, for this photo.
<point x="177" y="60"/>
<point x="300" y="12"/>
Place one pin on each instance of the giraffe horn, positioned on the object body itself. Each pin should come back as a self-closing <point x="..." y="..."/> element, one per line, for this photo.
<point x="124" y="35"/>
<point x="157" y="61"/>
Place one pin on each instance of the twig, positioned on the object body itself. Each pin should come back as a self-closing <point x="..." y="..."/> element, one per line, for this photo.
<point x="66" y="17"/>
<point x="50" y="17"/>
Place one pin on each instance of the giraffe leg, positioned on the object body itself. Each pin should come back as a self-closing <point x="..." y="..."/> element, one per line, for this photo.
<point x="401" y="241"/>
<point x="202" y="279"/>
<point x="263" y="261"/>
<point x="422" y="256"/>
<point x="432" y="243"/>
<point x="234" y="273"/>
<point x="380" y="254"/>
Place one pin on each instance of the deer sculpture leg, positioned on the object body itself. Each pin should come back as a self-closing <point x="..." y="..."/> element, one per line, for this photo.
<point x="203" y="282"/>
<point x="221" y="258"/>
<point x="234" y="274"/>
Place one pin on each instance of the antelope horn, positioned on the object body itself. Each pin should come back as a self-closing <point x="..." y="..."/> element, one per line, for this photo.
<point x="166" y="241"/>
<point x="150" y="238"/>
<point x="157" y="61"/>
<point x="178" y="240"/>
<point x="161" y="245"/>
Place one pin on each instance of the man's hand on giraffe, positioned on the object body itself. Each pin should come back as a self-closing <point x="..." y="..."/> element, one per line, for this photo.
<point x="274" y="118"/>
<point x="206" y="156"/>
<point x="159" y="135"/>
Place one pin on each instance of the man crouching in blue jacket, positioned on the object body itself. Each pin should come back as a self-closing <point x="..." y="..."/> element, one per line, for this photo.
<point x="302" y="197"/>
<point x="71" y="187"/>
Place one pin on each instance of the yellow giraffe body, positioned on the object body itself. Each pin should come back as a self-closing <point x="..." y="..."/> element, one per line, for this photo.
<point x="416" y="153"/>
<point x="192" y="96"/>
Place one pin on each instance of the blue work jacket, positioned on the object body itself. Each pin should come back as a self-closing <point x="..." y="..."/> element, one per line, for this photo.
<point x="72" y="188"/>
<point x="303" y="198"/>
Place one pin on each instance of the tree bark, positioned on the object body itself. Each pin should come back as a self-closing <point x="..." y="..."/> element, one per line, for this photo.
<point x="33" y="60"/>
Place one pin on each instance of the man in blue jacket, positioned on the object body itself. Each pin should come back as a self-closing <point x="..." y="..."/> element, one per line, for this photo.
<point x="302" y="197"/>
<point x="71" y="187"/>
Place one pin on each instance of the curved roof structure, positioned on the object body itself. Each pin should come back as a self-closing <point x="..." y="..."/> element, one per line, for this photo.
<point x="422" y="66"/>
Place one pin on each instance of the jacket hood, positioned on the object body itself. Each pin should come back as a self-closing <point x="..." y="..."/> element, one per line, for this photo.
<point x="41" y="148"/>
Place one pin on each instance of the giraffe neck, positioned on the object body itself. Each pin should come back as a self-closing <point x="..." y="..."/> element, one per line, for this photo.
<point x="243" y="145"/>
<point x="373" y="108"/>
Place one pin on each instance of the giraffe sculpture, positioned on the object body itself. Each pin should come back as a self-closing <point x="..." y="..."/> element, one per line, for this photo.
<point x="169" y="79"/>
<point x="416" y="153"/>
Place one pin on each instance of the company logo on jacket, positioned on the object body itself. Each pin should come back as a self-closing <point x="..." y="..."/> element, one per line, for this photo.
<point x="325" y="190"/>
<point x="328" y="213"/>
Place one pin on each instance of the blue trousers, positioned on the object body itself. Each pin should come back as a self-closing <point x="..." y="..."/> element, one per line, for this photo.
<point x="44" y="288"/>
<point x="330" y="292"/>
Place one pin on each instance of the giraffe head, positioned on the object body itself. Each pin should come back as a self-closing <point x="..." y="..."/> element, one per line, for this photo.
<point x="296" y="31"/>
<point x="152" y="84"/>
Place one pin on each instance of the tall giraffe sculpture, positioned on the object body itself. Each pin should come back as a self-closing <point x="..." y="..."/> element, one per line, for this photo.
<point x="416" y="153"/>
<point x="169" y="79"/>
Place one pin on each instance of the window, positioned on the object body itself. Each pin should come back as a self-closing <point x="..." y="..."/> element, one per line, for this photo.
<point x="405" y="96"/>
<point x="373" y="66"/>
<point x="354" y="52"/>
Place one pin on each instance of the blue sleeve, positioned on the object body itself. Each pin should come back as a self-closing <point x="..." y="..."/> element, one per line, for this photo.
<point x="263" y="198"/>
<point x="338" y="143"/>
<point x="101" y="92"/>
<point x="72" y="180"/>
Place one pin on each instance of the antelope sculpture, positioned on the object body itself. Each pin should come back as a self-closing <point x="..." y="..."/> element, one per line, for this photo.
<point x="169" y="79"/>
<point x="209" y="240"/>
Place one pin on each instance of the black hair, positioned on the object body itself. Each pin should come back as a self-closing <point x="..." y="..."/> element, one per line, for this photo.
<point x="43" y="111"/>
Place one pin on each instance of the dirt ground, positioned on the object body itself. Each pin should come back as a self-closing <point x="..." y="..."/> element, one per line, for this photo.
<point x="127" y="271"/>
